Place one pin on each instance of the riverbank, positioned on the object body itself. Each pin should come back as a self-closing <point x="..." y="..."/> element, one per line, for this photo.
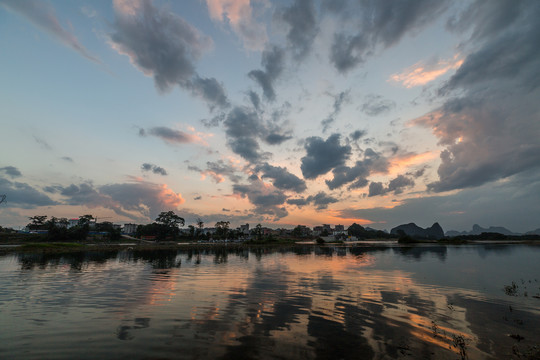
<point x="74" y="247"/>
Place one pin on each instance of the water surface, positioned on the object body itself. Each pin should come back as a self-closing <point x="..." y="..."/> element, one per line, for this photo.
<point x="363" y="302"/>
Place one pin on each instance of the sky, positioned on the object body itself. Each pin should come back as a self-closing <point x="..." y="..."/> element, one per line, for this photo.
<point x="273" y="112"/>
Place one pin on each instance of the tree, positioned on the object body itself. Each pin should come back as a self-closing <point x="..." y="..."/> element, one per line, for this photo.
<point x="200" y="223"/>
<point x="258" y="232"/>
<point x="222" y="229"/>
<point x="170" y="219"/>
<point x="85" y="220"/>
<point x="37" y="222"/>
<point x="191" y="230"/>
<point x="169" y="224"/>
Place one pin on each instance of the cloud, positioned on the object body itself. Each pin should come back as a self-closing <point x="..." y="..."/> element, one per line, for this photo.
<point x="171" y="136"/>
<point x="42" y="143"/>
<point x="218" y="170"/>
<point x="276" y="139"/>
<point x="375" y="105"/>
<point x="320" y="201"/>
<point x="154" y="168"/>
<point x="504" y="45"/>
<point x="380" y="24"/>
<point x="344" y="175"/>
<point x="164" y="46"/>
<point x="266" y="198"/>
<point x="323" y="155"/>
<point x="376" y="188"/>
<point x="22" y="194"/>
<point x="67" y="158"/>
<point x="519" y="196"/>
<point x="43" y="15"/>
<point x="339" y="99"/>
<point x="358" y="134"/>
<point x="489" y="123"/>
<point x="273" y="64"/>
<point x="146" y="198"/>
<point x="301" y="17"/>
<point x="283" y="179"/>
<point x="422" y="73"/>
<point x="239" y="15"/>
<point x="11" y="171"/>
<point x="210" y="90"/>
<point x="395" y="185"/>
<point x="138" y="200"/>
<point x="242" y="127"/>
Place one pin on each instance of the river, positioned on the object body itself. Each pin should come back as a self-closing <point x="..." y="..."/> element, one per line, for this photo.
<point x="363" y="302"/>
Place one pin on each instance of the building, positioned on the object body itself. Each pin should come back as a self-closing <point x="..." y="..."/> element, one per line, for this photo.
<point x="244" y="229"/>
<point x="339" y="228"/>
<point x="130" y="228"/>
<point x="73" y="222"/>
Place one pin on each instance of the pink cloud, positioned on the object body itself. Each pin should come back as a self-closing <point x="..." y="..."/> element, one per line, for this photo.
<point x="239" y="15"/>
<point x="422" y="73"/>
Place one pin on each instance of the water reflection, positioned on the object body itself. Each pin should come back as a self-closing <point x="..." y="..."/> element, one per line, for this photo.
<point x="302" y="302"/>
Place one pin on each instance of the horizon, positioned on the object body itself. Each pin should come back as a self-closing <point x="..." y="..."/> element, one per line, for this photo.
<point x="278" y="112"/>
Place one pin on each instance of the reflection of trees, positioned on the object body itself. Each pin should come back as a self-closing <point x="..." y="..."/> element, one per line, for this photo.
<point x="123" y="332"/>
<point x="157" y="258"/>
<point x="417" y="252"/>
<point x="76" y="260"/>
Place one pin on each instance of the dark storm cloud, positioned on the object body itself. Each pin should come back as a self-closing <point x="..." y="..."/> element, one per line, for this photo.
<point x="380" y="24"/>
<point x="165" y="46"/>
<point x="23" y="194"/>
<point x="273" y="62"/>
<point x="171" y="136"/>
<point x="490" y="124"/>
<point x="11" y="171"/>
<point x="283" y="179"/>
<point x="375" y="104"/>
<point x="395" y="186"/>
<point x="323" y="155"/>
<point x="301" y="17"/>
<point x="154" y="168"/>
<point x="320" y="201"/>
<point x="268" y="200"/>
<point x="43" y="15"/>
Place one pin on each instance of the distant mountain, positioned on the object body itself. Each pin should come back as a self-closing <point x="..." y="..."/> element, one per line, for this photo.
<point x="533" y="232"/>
<point x="413" y="230"/>
<point x="477" y="230"/>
